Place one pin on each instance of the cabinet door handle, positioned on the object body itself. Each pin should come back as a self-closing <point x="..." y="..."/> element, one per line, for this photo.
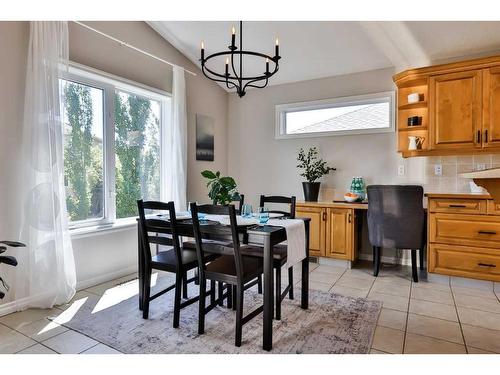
<point x="486" y="136"/>
<point x="478" y="136"/>
<point x="349" y="218"/>
<point x="486" y="265"/>
<point x="486" y="232"/>
<point x="457" y="206"/>
<point x="324" y="216"/>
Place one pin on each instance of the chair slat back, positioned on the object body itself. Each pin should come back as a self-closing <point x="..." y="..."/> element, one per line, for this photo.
<point x="161" y="228"/>
<point x="290" y="201"/>
<point x="217" y="210"/>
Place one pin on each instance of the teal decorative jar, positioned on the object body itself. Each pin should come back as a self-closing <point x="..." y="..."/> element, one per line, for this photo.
<point x="358" y="186"/>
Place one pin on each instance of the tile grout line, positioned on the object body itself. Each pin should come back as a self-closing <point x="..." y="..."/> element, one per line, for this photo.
<point x="458" y="317"/>
<point x="407" y="317"/>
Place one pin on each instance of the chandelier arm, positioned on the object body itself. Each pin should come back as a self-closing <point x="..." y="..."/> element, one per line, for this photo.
<point x="232" y="65"/>
<point x="249" y="84"/>
<point x="219" y="80"/>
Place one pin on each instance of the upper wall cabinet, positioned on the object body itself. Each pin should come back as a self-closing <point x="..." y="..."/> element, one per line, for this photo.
<point x="455" y="110"/>
<point x="491" y="107"/>
<point x="449" y="109"/>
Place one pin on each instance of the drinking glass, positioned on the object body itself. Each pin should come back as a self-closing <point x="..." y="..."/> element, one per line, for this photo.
<point x="246" y="210"/>
<point x="263" y="215"/>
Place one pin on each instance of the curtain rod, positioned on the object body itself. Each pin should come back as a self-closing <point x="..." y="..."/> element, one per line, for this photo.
<point x="121" y="42"/>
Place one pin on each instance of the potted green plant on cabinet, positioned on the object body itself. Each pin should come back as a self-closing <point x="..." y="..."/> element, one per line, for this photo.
<point x="313" y="168"/>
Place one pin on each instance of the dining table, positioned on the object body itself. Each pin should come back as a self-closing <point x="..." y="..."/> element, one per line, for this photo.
<point x="263" y="235"/>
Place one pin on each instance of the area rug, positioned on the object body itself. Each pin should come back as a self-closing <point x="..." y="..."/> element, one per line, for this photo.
<point x="332" y="324"/>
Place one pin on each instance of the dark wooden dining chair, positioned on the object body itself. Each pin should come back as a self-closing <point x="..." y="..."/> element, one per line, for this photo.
<point x="232" y="268"/>
<point x="155" y="230"/>
<point x="280" y="251"/>
<point x="396" y="219"/>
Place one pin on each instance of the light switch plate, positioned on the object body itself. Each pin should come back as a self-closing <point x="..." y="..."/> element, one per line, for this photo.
<point x="438" y="170"/>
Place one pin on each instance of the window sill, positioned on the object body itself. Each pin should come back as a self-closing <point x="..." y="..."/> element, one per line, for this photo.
<point x="119" y="225"/>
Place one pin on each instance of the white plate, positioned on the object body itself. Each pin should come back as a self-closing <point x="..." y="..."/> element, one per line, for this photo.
<point x="272" y="215"/>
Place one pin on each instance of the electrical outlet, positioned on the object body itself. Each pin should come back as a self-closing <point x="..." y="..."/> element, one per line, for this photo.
<point x="438" y="170"/>
<point x="401" y="170"/>
<point x="480" y="167"/>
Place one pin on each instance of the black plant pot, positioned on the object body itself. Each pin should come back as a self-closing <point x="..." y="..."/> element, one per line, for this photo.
<point x="311" y="191"/>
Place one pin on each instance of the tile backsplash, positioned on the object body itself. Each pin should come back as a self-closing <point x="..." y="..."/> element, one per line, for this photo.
<point x="452" y="166"/>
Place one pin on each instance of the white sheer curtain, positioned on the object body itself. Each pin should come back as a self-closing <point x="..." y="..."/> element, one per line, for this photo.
<point x="175" y="145"/>
<point x="46" y="273"/>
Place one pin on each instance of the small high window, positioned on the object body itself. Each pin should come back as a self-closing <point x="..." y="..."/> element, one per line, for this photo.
<point x="372" y="113"/>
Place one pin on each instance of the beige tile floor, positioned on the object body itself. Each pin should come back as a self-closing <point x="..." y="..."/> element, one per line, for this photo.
<point x="425" y="317"/>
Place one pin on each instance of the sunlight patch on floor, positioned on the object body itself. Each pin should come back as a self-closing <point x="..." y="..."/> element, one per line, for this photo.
<point x="120" y="293"/>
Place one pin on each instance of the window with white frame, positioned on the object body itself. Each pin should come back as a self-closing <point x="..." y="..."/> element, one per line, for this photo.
<point x="112" y="145"/>
<point x="372" y="113"/>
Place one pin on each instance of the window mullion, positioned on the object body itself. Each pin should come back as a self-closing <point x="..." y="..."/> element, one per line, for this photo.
<point x="109" y="128"/>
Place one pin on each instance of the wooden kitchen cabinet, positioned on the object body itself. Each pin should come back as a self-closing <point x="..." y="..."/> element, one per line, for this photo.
<point x="464" y="237"/>
<point x="455" y="110"/>
<point x="332" y="228"/>
<point x="459" y="107"/>
<point x="317" y="228"/>
<point x="491" y="108"/>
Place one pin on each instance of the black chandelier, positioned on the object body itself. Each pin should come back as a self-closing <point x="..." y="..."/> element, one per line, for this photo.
<point x="233" y="79"/>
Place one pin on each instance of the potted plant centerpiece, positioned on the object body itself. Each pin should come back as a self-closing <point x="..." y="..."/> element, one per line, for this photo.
<point x="313" y="168"/>
<point x="221" y="190"/>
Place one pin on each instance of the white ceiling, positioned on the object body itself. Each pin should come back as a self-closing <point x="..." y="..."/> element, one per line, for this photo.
<point x="311" y="49"/>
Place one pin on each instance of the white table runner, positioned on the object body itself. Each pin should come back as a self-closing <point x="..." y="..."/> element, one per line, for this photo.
<point x="295" y="234"/>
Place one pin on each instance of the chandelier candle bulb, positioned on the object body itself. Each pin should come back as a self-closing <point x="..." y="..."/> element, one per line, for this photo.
<point x="277" y="52"/>
<point x="227" y="66"/>
<point x="233" y="36"/>
<point x="267" y="66"/>
<point x="202" y="50"/>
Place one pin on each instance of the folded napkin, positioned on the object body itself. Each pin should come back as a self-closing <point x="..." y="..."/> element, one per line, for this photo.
<point x="224" y="220"/>
<point x="295" y="238"/>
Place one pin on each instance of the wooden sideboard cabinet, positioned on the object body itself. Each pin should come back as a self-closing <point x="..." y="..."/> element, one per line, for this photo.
<point x="332" y="228"/>
<point x="464" y="236"/>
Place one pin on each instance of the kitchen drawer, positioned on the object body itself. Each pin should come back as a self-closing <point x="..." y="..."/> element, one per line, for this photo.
<point x="465" y="261"/>
<point x="459" y="206"/>
<point x="473" y="230"/>
<point x="493" y="207"/>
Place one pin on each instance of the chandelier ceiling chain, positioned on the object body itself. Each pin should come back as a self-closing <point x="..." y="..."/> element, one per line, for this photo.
<point x="234" y="79"/>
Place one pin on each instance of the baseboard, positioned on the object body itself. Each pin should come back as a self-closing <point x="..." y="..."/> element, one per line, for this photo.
<point x="23" y="303"/>
<point x="404" y="261"/>
<point x="84" y="284"/>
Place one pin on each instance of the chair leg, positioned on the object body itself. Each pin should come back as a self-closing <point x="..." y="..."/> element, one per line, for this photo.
<point x="184" y="285"/>
<point x="230" y="301"/>
<point x="177" y="298"/>
<point x="146" y="294"/>
<point x="376" y="260"/>
<point x="259" y="284"/>
<point x="414" y="265"/>
<point x="201" y="308"/>
<point x="220" y="292"/>
<point x="421" y="253"/>
<point x="290" y="282"/>
<point x="212" y="292"/>
<point x="239" y="314"/>
<point x="277" y="293"/>
<point x="235" y="296"/>
<point x="196" y="280"/>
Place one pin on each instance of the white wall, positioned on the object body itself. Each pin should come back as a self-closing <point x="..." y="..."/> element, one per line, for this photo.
<point x="115" y="253"/>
